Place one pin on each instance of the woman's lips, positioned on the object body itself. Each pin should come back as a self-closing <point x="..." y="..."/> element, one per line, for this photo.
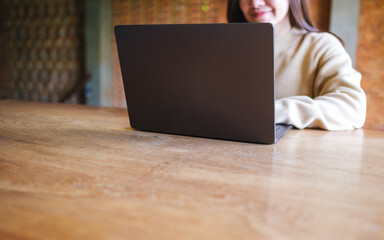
<point x="260" y="13"/>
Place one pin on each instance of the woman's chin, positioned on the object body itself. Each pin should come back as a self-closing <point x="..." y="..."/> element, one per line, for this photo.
<point x="259" y="20"/>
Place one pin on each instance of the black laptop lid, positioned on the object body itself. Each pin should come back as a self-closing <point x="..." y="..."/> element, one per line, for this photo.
<point x="206" y="80"/>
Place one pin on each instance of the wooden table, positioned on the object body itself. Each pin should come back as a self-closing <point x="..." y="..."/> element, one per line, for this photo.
<point x="78" y="172"/>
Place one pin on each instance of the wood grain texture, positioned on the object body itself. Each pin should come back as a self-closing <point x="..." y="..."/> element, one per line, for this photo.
<point x="77" y="172"/>
<point x="320" y="11"/>
<point x="370" y="60"/>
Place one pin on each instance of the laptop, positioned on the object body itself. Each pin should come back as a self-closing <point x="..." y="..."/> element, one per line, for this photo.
<point x="203" y="80"/>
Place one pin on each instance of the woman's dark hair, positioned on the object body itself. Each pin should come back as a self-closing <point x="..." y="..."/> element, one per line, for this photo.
<point x="298" y="14"/>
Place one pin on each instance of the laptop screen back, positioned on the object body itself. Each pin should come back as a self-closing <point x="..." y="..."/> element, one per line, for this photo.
<point x="206" y="80"/>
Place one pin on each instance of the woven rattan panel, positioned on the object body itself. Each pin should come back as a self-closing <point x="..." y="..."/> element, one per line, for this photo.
<point x="42" y="47"/>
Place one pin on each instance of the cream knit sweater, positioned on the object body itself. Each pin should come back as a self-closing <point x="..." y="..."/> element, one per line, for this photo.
<point x="316" y="86"/>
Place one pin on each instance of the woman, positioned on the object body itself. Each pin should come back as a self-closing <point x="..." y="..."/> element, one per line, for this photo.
<point x="316" y="85"/>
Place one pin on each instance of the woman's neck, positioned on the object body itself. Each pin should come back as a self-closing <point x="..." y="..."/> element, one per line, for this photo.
<point x="283" y="26"/>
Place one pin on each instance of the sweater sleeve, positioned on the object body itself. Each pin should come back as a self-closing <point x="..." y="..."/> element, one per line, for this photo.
<point x="339" y="103"/>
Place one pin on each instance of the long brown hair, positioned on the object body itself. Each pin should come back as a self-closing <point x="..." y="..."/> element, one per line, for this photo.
<point x="298" y="14"/>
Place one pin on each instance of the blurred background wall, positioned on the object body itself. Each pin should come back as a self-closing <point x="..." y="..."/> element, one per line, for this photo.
<point x="41" y="49"/>
<point x="46" y="46"/>
<point x="370" y="59"/>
